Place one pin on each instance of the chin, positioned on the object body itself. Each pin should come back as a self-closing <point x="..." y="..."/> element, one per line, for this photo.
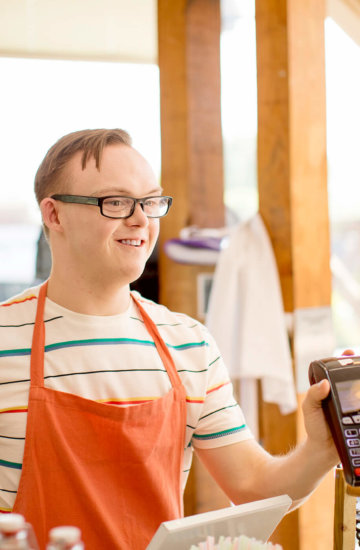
<point x="135" y="277"/>
<point x="130" y="276"/>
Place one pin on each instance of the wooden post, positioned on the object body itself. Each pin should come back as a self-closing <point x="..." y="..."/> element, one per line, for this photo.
<point x="293" y="201"/>
<point x="291" y="166"/>
<point x="192" y="164"/>
<point x="191" y="140"/>
<point x="345" y="513"/>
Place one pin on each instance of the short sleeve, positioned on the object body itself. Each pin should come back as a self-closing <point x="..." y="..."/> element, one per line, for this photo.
<point x="221" y="421"/>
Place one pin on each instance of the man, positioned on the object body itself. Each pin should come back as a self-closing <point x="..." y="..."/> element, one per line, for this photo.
<point x="105" y="394"/>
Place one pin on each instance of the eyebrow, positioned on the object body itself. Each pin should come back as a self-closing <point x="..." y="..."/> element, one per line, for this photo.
<point x="123" y="192"/>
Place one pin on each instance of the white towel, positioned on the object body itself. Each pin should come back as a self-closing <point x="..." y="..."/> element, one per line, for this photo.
<point x="246" y="315"/>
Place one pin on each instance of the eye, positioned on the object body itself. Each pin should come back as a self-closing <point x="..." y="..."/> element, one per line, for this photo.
<point x="117" y="202"/>
<point x="151" y="202"/>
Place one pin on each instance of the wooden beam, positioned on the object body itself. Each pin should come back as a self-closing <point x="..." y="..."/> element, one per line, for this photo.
<point x="291" y="167"/>
<point x="346" y="13"/>
<point x="293" y="198"/>
<point x="192" y="163"/>
<point x="204" y="121"/>
<point x="191" y="140"/>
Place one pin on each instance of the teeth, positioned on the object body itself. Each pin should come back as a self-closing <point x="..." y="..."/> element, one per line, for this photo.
<point x="131" y="242"/>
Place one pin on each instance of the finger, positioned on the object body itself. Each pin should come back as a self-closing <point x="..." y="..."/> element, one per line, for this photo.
<point x="322" y="390"/>
<point x="316" y="393"/>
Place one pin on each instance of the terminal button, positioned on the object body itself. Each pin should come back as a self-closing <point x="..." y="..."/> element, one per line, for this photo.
<point x="353" y="442"/>
<point x="355" y="452"/>
<point x="352" y="432"/>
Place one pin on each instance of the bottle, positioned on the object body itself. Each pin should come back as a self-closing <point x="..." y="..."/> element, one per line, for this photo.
<point x="16" y="534"/>
<point x="65" y="538"/>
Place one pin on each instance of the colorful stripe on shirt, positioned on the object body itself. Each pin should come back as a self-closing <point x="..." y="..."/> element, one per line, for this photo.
<point x="9" y="464"/>
<point x="220" y="434"/>
<point x="99" y="342"/>
<point x="218" y="386"/>
<point x="14" y="410"/>
<point x="13" y="302"/>
<point x="128" y="401"/>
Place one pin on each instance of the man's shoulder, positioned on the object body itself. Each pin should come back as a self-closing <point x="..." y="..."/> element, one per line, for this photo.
<point x="21" y="304"/>
<point x="161" y="315"/>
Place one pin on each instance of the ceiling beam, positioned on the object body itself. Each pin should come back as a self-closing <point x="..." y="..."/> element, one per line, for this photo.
<point x="346" y="13"/>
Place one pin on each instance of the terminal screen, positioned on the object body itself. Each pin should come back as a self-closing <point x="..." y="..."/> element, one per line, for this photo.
<point x="349" y="395"/>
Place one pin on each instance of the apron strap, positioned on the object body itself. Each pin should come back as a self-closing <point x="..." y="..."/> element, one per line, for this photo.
<point x="38" y="342"/>
<point x="160" y="346"/>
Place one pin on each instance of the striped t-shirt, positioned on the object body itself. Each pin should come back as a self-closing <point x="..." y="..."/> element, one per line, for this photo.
<point x="111" y="359"/>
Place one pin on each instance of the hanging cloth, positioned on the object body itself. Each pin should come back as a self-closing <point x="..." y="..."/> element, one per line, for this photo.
<point x="246" y="317"/>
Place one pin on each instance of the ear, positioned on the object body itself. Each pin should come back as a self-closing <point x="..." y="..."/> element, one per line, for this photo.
<point x="50" y="214"/>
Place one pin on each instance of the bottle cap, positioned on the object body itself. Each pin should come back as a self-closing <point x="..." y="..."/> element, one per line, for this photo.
<point x="10" y="523"/>
<point x="65" y="533"/>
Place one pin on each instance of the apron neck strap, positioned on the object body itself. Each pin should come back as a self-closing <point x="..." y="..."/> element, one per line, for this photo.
<point x="38" y="341"/>
<point x="160" y="345"/>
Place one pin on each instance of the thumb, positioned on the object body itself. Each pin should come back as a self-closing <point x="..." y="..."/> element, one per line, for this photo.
<point x="322" y="389"/>
<point x="316" y="393"/>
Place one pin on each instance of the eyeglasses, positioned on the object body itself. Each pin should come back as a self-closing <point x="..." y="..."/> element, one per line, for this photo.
<point x="122" y="207"/>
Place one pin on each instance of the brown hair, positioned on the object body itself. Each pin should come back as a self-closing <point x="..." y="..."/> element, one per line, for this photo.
<point x="91" y="142"/>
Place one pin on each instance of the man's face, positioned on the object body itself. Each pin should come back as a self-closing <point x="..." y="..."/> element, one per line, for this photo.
<point x="104" y="249"/>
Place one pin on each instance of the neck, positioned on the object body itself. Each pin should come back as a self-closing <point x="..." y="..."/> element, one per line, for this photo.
<point x="88" y="298"/>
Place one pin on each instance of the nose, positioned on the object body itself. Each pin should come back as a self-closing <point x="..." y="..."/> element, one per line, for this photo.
<point x="138" y="217"/>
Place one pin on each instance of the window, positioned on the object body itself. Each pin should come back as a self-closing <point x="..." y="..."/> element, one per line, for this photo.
<point x="41" y="100"/>
<point x="343" y="123"/>
<point x="239" y="107"/>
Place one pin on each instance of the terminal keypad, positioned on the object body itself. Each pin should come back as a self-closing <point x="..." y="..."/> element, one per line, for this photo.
<point x="352" y="438"/>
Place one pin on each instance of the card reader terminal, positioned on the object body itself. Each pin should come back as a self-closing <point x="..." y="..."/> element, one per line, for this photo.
<point x="342" y="409"/>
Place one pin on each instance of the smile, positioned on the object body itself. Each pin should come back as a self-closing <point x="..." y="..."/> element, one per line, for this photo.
<point x="130" y="242"/>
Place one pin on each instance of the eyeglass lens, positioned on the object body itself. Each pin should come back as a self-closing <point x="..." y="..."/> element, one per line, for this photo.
<point x="124" y="206"/>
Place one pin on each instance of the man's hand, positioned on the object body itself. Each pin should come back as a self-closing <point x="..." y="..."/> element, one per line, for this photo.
<point x="246" y="472"/>
<point x="315" y="424"/>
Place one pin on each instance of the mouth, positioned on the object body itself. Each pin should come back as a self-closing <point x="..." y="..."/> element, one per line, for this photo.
<point x="131" y="242"/>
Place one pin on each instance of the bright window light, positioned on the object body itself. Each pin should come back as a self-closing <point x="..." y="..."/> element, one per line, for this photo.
<point x="343" y="122"/>
<point x="41" y="100"/>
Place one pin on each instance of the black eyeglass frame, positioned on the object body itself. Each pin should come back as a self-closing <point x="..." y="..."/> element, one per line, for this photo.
<point x="98" y="201"/>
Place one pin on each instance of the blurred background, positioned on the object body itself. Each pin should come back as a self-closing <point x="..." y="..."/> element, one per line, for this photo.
<point x="98" y="68"/>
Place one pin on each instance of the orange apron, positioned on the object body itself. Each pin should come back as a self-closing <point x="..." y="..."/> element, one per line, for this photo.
<point x="114" y="472"/>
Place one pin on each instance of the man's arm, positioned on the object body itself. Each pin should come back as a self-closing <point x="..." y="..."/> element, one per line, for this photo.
<point x="246" y="472"/>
